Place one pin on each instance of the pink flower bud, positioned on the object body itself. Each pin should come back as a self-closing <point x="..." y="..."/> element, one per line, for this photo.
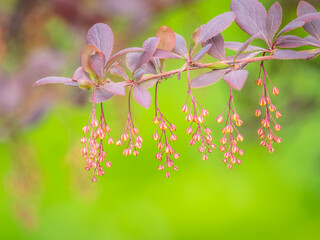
<point x="219" y="119"/>
<point x="95" y="123"/>
<point x="86" y="129"/>
<point x="124" y="137"/>
<point x="173" y="128"/>
<point x="204" y="157"/>
<point x="204" y="112"/>
<point x="161" y="167"/>
<point x="257" y="113"/>
<point x="155" y="120"/>
<point x="173" y="138"/>
<point x="119" y="142"/>
<point x="275" y="91"/>
<point x="184" y="108"/>
<point x="108" y="164"/>
<point x="189" y="130"/>
<point x="159" y="156"/>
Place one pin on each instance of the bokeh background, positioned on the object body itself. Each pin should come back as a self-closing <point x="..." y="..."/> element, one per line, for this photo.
<point x="45" y="193"/>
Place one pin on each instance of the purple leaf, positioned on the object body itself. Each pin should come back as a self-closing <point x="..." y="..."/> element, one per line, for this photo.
<point x="202" y="52"/>
<point x="273" y="21"/>
<point x="99" y="96"/>
<point x="299" y="22"/>
<point x="131" y="61"/>
<point x="208" y="78"/>
<point x="149" y="83"/>
<point x="237" y="45"/>
<point x="215" y="26"/>
<point x="124" y="51"/>
<point x="251" y="16"/>
<point x="217" y="49"/>
<point x="101" y="36"/>
<point x="290" y="41"/>
<point x="149" y="46"/>
<point x="246" y="45"/>
<point x="96" y="62"/>
<point x="290" y="54"/>
<point x="52" y="80"/>
<point x="119" y="71"/>
<point x="115" y="88"/>
<point x="142" y="96"/>
<point x="163" y="54"/>
<point x="313" y="28"/>
<point x="181" y="46"/>
<point x="313" y="40"/>
<point x="73" y="84"/>
<point x="138" y="74"/>
<point x="245" y="55"/>
<point x="236" y="79"/>
<point x="80" y="74"/>
<point x="290" y="26"/>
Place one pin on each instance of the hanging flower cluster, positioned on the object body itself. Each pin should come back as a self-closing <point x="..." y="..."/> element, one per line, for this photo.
<point x="100" y="70"/>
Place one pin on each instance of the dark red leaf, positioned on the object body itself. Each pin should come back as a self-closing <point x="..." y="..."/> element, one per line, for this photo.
<point x="142" y="96"/>
<point x="313" y="28"/>
<point x="273" y="22"/>
<point x="97" y="61"/>
<point x="149" y="46"/>
<point x="217" y="47"/>
<point x="208" y="78"/>
<point x="251" y="16"/>
<point x="236" y="79"/>
<point x="181" y="46"/>
<point x="53" y="80"/>
<point x="167" y="38"/>
<point x="202" y="52"/>
<point x="290" y="54"/>
<point x="86" y="54"/>
<point x="101" y="36"/>
<point x="99" y="96"/>
<point x="115" y="88"/>
<point x="215" y="26"/>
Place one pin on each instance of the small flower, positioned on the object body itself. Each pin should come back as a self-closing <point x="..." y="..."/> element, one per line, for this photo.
<point x="93" y="151"/>
<point x="268" y="123"/>
<point x="233" y="121"/>
<point x="166" y="134"/>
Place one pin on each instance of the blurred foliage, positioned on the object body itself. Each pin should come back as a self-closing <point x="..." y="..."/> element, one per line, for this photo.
<point x="46" y="193"/>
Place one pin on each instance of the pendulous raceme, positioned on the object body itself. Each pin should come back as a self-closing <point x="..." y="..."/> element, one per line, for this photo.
<point x="146" y="66"/>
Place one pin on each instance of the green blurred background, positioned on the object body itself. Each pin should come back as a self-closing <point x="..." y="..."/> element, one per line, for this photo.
<point x="47" y="194"/>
